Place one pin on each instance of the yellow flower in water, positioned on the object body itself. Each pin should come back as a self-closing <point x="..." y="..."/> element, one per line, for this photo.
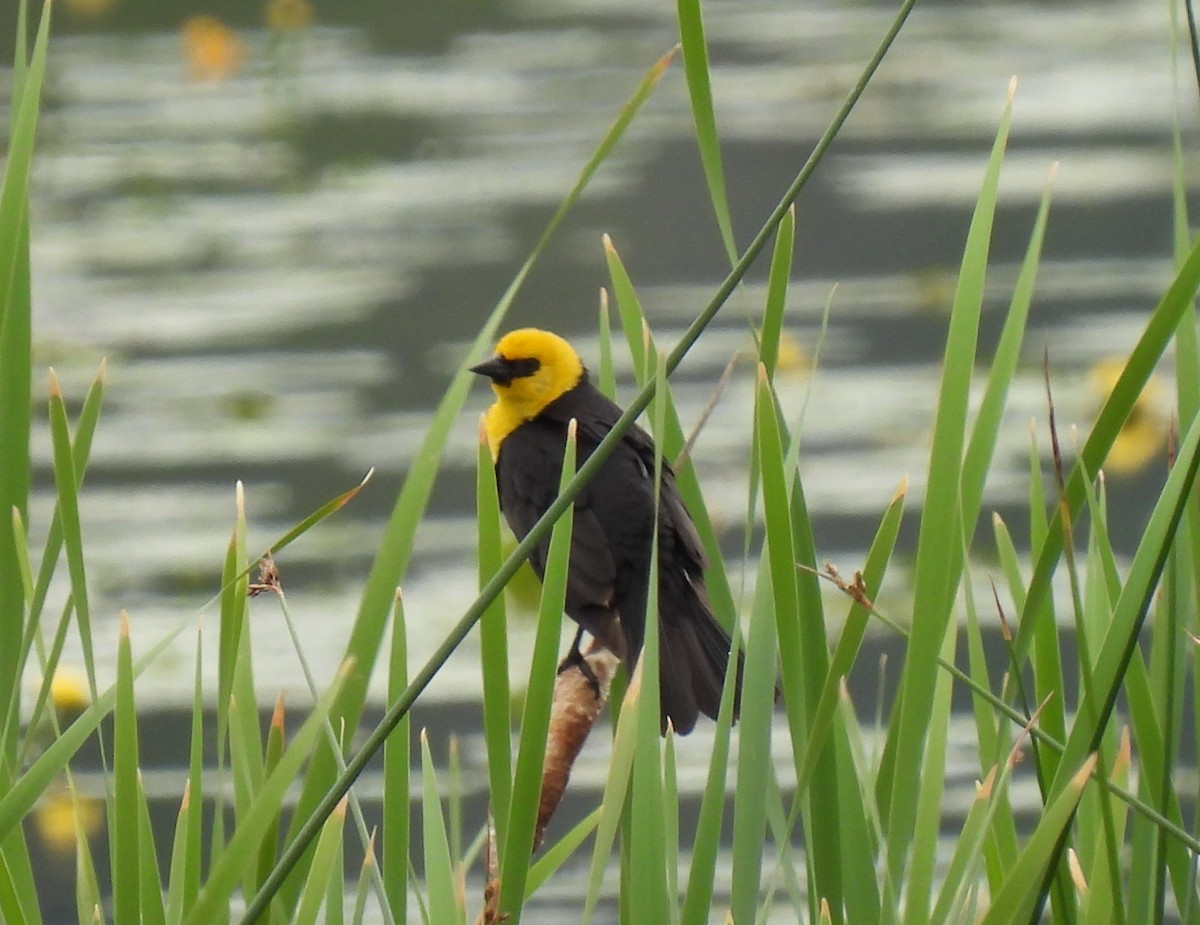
<point x="793" y="358"/>
<point x="60" y="819"/>
<point x="69" y="692"/>
<point x="1145" y="432"/>
<point x="289" y="15"/>
<point x="213" y="50"/>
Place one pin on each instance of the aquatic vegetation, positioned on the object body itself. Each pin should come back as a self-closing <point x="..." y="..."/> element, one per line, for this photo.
<point x="213" y="50"/>
<point x="832" y="819"/>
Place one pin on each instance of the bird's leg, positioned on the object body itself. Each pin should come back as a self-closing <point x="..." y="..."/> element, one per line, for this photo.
<point x="575" y="659"/>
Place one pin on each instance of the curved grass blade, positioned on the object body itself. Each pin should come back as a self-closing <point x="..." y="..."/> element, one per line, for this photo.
<point x="696" y="70"/>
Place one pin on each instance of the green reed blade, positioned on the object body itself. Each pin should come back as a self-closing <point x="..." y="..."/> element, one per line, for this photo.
<point x="535" y="718"/>
<point x="696" y="70"/>
<point x="123" y="808"/>
<point x="936" y="574"/>
<point x="323" y="867"/>
<point x="493" y="646"/>
<point x="15" y="351"/>
<point x="396" y="774"/>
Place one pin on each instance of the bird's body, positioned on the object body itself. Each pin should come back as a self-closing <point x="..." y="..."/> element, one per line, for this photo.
<point x="541" y="386"/>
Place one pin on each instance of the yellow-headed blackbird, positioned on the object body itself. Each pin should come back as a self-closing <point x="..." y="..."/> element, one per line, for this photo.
<point x="541" y="385"/>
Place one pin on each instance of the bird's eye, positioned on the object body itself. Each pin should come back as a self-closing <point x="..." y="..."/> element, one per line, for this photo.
<point x="526" y="366"/>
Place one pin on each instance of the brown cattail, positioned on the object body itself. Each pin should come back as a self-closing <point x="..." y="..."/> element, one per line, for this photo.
<point x="578" y="701"/>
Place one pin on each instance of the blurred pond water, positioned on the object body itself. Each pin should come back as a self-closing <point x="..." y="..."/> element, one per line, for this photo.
<point x="283" y="246"/>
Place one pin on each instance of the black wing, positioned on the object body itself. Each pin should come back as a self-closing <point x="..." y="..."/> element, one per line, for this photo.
<point x="527" y="475"/>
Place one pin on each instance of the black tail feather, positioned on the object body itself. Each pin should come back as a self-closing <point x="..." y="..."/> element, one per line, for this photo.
<point x="693" y="656"/>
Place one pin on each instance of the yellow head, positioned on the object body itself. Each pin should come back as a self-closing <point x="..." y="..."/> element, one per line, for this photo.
<point x="531" y="368"/>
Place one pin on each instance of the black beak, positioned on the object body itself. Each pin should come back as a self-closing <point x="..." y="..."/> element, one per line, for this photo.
<point x="497" y="369"/>
<point x="503" y="371"/>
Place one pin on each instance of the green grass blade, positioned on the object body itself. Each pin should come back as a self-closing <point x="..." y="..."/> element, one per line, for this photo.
<point x="17" y="904"/>
<point x="1098" y="904"/>
<point x="552" y="858"/>
<point x="937" y="544"/>
<point x="325" y="859"/>
<point x="335" y="893"/>
<point x="535" y="719"/>
<point x="396" y="757"/>
<point x="991" y="799"/>
<point x="695" y="68"/>
<point x="923" y="849"/>
<point x="179" y="860"/>
<point x="754" y="755"/>
<point x="123" y="810"/>
<point x="493" y="646"/>
<point x="150" y="896"/>
<point x="236" y="672"/>
<point x="707" y="842"/>
<point x="366" y="875"/>
<point x="15" y="343"/>
<point x="81" y="446"/>
<point x="15" y="363"/>
<point x="275" y="740"/>
<point x="439" y="873"/>
<point x="649" y="854"/>
<point x="65" y="483"/>
<point x="193" y="809"/>
<point x="777" y="283"/>
<point x="88" y="898"/>
<point x="616" y="789"/>
<point x="978" y="458"/>
<point x="812" y="653"/>
<point x="776" y="605"/>
<point x="606" y="380"/>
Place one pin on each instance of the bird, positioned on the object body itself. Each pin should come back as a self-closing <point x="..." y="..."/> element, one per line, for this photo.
<point x="541" y="385"/>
